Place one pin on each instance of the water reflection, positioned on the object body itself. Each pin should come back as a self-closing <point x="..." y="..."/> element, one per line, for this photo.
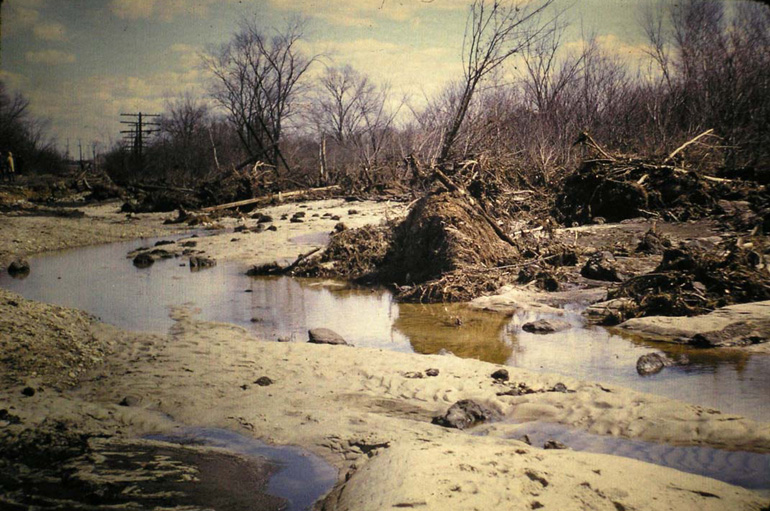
<point x="747" y="469"/>
<point x="102" y="281"/>
<point x="466" y="332"/>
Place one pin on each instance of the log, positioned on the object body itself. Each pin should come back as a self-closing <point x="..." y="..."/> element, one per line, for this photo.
<point x="266" y="198"/>
<point x="689" y="142"/>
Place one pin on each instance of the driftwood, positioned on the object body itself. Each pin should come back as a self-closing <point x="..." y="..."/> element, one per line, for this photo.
<point x="267" y="198"/>
<point x="689" y="142"/>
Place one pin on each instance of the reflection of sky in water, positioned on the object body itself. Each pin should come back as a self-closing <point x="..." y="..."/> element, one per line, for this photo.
<point x="103" y="281"/>
<point x="750" y="470"/>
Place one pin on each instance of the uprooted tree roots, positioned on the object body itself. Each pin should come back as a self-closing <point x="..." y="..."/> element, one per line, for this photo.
<point x="444" y="251"/>
<point x="689" y="281"/>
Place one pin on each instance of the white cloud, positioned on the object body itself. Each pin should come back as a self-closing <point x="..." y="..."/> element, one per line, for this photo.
<point x="50" y="31"/>
<point x="407" y="69"/>
<point x="368" y="12"/>
<point x="50" y="57"/>
<point x="164" y="10"/>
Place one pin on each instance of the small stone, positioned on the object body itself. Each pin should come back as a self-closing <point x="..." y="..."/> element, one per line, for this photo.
<point x="325" y="336"/>
<point x="651" y="363"/>
<point x="130" y="401"/>
<point x="296" y="220"/>
<point x="340" y="227"/>
<point x="198" y="263"/>
<point x="501" y="375"/>
<point x="272" y="228"/>
<point x="352" y="212"/>
<point x="559" y="387"/>
<point x="164" y="242"/>
<point x="413" y="374"/>
<point x="445" y="353"/>
<point x="244" y="386"/>
<point x="263" y="381"/>
<point x="463" y="414"/>
<point x="526" y="440"/>
<point x="28" y="391"/>
<point x="545" y="326"/>
<point x="18" y="267"/>
<point x="431" y="372"/>
<point x="336" y="217"/>
<point x="143" y="260"/>
<point x="554" y="444"/>
<point x="190" y="244"/>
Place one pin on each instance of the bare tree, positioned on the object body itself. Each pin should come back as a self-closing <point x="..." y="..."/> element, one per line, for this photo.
<point x="493" y="33"/>
<point x="257" y="79"/>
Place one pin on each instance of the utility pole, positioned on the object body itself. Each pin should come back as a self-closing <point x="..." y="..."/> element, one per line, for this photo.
<point x="136" y="135"/>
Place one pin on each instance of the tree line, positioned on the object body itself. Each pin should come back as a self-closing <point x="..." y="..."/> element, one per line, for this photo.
<point x="705" y="65"/>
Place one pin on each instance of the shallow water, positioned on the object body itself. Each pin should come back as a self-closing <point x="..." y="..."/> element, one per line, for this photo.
<point x="302" y="478"/>
<point x="750" y="470"/>
<point x="103" y="281"/>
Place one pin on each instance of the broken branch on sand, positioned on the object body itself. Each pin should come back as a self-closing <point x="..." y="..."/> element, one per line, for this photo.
<point x="267" y="198"/>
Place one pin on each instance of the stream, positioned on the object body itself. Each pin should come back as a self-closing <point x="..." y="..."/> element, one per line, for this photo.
<point x="102" y="281"/>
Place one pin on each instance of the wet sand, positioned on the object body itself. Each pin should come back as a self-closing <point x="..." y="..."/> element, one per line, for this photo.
<point x="361" y="409"/>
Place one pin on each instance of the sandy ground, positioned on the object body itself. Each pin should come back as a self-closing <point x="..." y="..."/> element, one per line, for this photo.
<point x="358" y="408"/>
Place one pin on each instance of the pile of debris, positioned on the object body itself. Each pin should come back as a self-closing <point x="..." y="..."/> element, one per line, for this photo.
<point x="691" y="281"/>
<point x="615" y="188"/>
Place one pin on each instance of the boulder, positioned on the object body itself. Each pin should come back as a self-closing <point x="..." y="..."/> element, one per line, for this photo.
<point x="545" y="326"/>
<point x="500" y="375"/>
<point x="18" y="267"/>
<point x="325" y="336"/>
<point x="464" y="414"/>
<point x="651" y="363"/>
<point x="143" y="260"/>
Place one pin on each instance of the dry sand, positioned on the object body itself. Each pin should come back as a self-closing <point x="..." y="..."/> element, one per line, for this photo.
<point x="358" y="408"/>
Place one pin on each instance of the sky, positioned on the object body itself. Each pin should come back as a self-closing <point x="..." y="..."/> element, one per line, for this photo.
<point x="83" y="62"/>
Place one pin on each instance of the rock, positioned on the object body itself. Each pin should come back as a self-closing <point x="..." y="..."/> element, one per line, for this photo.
<point x="190" y="244"/>
<point x="445" y="353"/>
<point x="296" y="220"/>
<point x="143" y="260"/>
<point x="554" y="444"/>
<point x="263" y="381"/>
<point x="163" y="254"/>
<point x="734" y="325"/>
<point x="198" y="263"/>
<point x="164" y="242"/>
<point x="500" y="375"/>
<point x="413" y="375"/>
<point x="259" y="228"/>
<point x="130" y="401"/>
<point x="28" y="391"/>
<point x="352" y="212"/>
<point x="241" y="228"/>
<point x="325" y="336"/>
<point x="431" y="372"/>
<point x="600" y="266"/>
<point x="545" y="326"/>
<point x="463" y="414"/>
<point x="272" y="228"/>
<point x="18" y="267"/>
<point x="339" y="227"/>
<point x="651" y="363"/>
<point x="559" y="387"/>
<point x="299" y="214"/>
<point x="336" y="217"/>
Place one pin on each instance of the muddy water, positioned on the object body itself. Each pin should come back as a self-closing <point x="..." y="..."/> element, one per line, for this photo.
<point x="103" y="281"/>
<point x="301" y="477"/>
